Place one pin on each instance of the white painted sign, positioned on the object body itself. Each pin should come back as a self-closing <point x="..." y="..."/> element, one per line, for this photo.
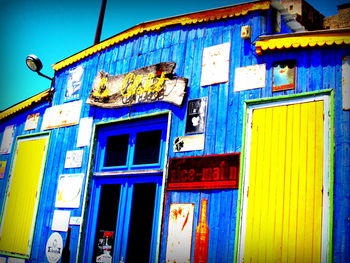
<point x="74" y="159"/>
<point x="180" y="233"/>
<point x="7" y="139"/>
<point x="62" y="115"/>
<point x="189" y="143"/>
<point x="54" y="247"/>
<point x="215" y="64"/>
<point x="69" y="190"/>
<point x="60" y="220"/>
<point x="346" y="82"/>
<point x="85" y="131"/>
<point x="32" y="121"/>
<point x="250" y="77"/>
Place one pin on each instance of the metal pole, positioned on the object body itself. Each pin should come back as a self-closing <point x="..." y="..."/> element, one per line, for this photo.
<point x="100" y="22"/>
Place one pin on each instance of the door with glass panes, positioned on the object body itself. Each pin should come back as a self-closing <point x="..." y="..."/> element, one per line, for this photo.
<point x="124" y="215"/>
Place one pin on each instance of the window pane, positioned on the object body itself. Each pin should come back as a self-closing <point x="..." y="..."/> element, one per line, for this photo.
<point x="116" y="150"/>
<point x="147" y="147"/>
<point x="107" y="219"/>
<point x="141" y="221"/>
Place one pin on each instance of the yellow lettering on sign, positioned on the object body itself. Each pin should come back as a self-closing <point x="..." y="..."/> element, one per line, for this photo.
<point x="137" y="85"/>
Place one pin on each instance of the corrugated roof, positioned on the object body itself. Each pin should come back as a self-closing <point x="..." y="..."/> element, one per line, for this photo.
<point x="26" y="103"/>
<point x="305" y="39"/>
<point x="193" y="18"/>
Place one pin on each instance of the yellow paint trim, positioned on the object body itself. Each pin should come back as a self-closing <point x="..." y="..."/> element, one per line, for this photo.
<point x="26" y="103"/>
<point x="194" y="18"/>
<point x="302" y="41"/>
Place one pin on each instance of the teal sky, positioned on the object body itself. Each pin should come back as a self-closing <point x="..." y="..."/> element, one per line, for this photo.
<point x="56" y="29"/>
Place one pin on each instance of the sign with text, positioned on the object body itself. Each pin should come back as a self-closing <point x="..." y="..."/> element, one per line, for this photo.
<point x="204" y="172"/>
<point x="145" y="85"/>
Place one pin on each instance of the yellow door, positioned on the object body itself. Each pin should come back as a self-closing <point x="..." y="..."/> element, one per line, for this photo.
<point x="18" y="219"/>
<point x="283" y="197"/>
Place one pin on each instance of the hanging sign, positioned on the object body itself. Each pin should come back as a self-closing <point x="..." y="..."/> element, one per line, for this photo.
<point x="204" y="172"/>
<point x="149" y="84"/>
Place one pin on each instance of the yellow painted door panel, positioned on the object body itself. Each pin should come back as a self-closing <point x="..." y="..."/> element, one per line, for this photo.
<point x="284" y="203"/>
<point x="20" y="209"/>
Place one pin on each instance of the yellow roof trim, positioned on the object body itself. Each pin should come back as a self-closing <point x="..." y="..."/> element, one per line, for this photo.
<point x="309" y="40"/>
<point x="25" y="104"/>
<point x="194" y="18"/>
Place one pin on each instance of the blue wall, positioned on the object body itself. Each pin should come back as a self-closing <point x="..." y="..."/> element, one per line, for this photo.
<point x="317" y="69"/>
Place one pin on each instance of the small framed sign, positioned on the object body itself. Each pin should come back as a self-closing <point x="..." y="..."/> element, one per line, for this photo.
<point x="283" y="75"/>
<point x="218" y="171"/>
<point x="74" y="83"/>
<point x="196" y="115"/>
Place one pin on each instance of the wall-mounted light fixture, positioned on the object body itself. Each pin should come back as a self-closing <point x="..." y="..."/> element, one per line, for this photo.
<point x="34" y="64"/>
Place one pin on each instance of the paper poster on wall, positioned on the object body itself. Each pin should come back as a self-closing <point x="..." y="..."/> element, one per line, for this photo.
<point x="74" y="159"/>
<point x="346" y="82"/>
<point x="74" y="83"/>
<point x="215" y="64"/>
<point x="60" y="220"/>
<point x="250" y="77"/>
<point x="196" y="115"/>
<point x="85" y="131"/>
<point x="32" y="121"/>
<point x="2" y="168"/>
<point x="283" y="75"/>
<point x="69" y="190"/>
<point x="62" y="115"/>
<point x="180" y="233"/>
<point x="189" y="143"/>
<point x="7" y="139"/>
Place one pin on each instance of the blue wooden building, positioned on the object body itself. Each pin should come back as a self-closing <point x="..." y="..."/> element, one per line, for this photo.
<point x="238" y="106"/>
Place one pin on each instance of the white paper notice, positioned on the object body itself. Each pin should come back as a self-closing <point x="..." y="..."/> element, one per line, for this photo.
<point x="179" y="233"/>
<point x="74" y="159"/>
<point x="85" y="130"/>
<point x="215" y="64"/>
<point x="250" y="77"/>
<point x="7" y="139"/>
<point x="60" y="220"/>
<point x="69" y="190"/>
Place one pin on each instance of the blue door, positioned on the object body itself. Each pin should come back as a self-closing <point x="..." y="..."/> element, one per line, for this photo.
<point x="125" y="208"/>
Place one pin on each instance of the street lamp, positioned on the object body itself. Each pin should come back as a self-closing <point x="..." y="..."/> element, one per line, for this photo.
<point x="34" y="64"/>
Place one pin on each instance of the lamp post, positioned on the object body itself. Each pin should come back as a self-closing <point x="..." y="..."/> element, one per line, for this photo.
<point x="34" y="64"/>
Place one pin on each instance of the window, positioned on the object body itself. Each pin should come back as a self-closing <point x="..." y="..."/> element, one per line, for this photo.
<point x="131" y="145"/>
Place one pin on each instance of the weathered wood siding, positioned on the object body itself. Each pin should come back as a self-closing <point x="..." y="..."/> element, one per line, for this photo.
<point x="317" y="69"/>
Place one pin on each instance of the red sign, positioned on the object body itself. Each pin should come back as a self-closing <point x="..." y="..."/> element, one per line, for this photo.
<point x="204" y="172"/>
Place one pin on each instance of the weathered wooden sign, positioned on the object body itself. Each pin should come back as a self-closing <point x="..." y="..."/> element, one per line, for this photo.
<point x="148" y="84"/>
<point x="218" y="171"/>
